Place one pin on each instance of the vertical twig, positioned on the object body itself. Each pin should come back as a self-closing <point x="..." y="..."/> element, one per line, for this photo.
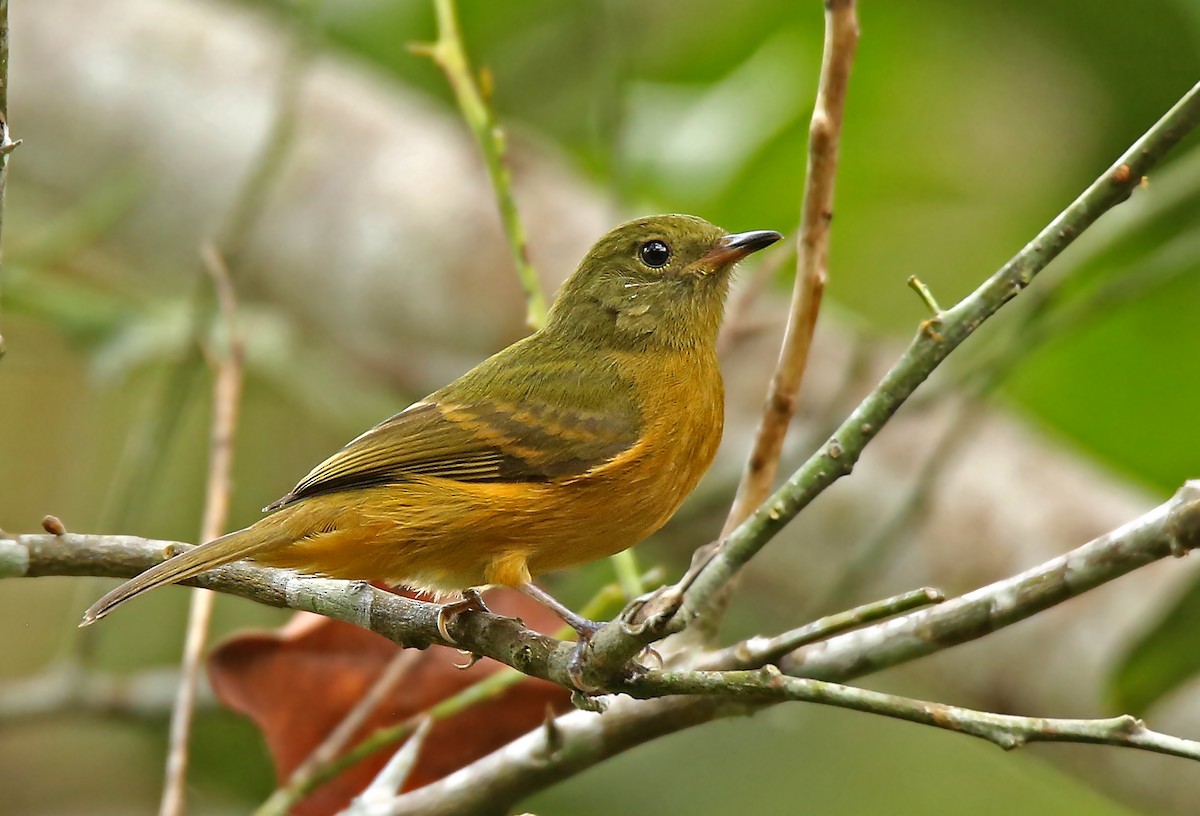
<point x="450" y="55"/>
<point x="841" y="40"/>
<point x="148" y="448"/>
<point x="227" y="389"/>
<point x="7" y="145"/>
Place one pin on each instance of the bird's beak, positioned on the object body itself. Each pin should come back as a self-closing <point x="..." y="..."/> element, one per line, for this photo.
<point x="732" y="248"/>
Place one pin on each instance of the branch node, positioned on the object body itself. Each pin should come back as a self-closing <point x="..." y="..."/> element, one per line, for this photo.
<point x="424" y="49"/>
<point x="1129" y="725"/>
<point x="585" y="702"/>
<point x="553" y="734"/>
<point x="918" y="286"/>
<point x="53" y="526"/>
<point x="471" y="659"/>
<point x="933" y="595"/>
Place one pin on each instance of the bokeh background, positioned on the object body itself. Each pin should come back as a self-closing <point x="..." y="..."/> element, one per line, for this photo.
<point x="331" y="165"/>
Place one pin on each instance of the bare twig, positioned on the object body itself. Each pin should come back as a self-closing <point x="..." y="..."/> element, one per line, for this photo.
<point x="1171" y="529"/>
<point x="870" y="555"/>
<point x="68" y="688"/>
<point x="936" y="338"/>
<point x="1005" y="730"/>
<point x="491" y="686"/>
<point x="615" y="644"/>
<point x="7" y="145"/>
<point x="495" y="783"/>
<point x="302" y="779"/>
<point x="227" y="389"/>
<point x="328" y="761"/>
<point x="450" y="55"/>
<point x="387" y="784"/>
<point x="534" y="762"/>
<point x="841" y="40"/>
<point x="758" y="651"/>
<point x="499" y="780"/>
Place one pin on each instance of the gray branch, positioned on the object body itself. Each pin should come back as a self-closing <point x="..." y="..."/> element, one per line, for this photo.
<point x="583" y="739"/>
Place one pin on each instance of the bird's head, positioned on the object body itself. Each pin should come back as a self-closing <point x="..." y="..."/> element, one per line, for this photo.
<point x="654" y="281"/>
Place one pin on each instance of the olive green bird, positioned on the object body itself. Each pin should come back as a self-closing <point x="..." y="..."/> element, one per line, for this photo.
<point x="572" y="444"/>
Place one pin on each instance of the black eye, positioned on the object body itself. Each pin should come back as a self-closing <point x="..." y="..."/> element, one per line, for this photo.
<point x="655" y="254"/>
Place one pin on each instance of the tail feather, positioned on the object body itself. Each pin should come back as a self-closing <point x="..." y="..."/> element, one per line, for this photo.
<point x="215" y="553"/>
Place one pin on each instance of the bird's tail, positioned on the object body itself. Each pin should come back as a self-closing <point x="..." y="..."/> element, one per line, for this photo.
<point x="215" y="553"/>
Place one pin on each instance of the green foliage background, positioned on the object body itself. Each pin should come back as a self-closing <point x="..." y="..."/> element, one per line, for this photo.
<point x="968" y="126"/>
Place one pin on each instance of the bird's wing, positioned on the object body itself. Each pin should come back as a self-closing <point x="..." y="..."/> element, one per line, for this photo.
<point x="505" y="421"/>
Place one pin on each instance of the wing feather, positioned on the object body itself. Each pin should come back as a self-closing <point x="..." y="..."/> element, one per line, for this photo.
<point x="555" y="425"/>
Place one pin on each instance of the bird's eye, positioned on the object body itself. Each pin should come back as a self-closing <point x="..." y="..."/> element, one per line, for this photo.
<point x="655" y="254"/>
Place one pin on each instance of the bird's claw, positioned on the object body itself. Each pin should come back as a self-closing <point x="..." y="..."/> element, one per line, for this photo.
<point x="471" y="659"/>
<point x="578" y="661"/>
<point x="470" y="602"/>
<point x="647" y="656"/>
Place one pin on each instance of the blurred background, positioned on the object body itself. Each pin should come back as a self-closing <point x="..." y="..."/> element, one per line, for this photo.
<point x="330" y="166"/>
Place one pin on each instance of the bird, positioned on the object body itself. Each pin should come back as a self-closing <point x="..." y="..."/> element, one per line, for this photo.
<point x="574" y="443"/>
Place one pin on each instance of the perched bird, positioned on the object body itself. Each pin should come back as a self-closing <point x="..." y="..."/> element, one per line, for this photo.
<point x="571" y="444"/>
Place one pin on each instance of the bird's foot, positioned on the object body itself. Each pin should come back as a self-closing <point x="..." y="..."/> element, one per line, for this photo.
<point x="470" y="602"/>
<point x="648" y="659"/>
<point x="587" y="629"/>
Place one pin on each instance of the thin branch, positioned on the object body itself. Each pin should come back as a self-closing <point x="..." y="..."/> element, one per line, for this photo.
<point x="7" y="145"/>
<point x="387" y="784"/>
<point x="1171" y="529"/>
<point x="1005" y="730"/>
<point x="934" y="341"/>
<point x="871" y="554"/>
<point x="67" y="688"/>
<point x="616" y="643"/>
<point x="306" y="775"/>
<point x="758" y="651"/>
<point x="486" y="689"/>
<point x="524" y="766"/>
<point x="495" y="783"/>
<point x="450" y="55"/>
<point x="331" y="763"/>
<point x="227" y="391"/>
<point x="841" y="41"/>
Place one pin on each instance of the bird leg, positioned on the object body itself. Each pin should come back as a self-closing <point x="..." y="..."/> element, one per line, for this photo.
<point x="469" y="602"/>
<point x="586" y="629"/>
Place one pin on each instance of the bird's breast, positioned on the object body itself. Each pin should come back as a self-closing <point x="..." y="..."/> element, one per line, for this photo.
<point x="627" y="498"/>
